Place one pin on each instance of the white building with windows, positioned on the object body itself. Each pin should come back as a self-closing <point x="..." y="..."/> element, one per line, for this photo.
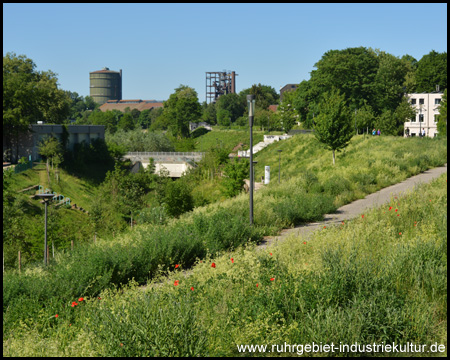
<point x="427" y="112"/>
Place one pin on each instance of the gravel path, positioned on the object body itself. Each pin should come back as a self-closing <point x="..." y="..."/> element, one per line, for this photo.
<point x="357" y="207"/>
<point x="345" y="212"/>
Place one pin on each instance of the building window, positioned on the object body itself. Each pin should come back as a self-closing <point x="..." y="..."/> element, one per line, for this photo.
<point x="413" y="101"/>
<point x="413" y="119"/>
<point x="437" y="101"/>
<point x="413" y="134"/>
<point x="420" y="117"/>
<point x="421" y="101"/>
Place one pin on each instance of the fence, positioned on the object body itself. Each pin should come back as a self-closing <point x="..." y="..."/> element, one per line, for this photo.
<point x="162" y="156"/>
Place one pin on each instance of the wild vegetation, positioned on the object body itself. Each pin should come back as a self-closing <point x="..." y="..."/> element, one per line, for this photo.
<point x="380" y="278"/>
<point x="310" y="188"/>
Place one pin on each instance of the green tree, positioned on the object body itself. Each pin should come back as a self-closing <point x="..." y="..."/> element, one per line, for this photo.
<point x="209" y="113"/>
<point x="181" y="108"/>
<point x="389" y="81"/>
<point x="90" y="103"/>
<point x="233" y="103"/>
<point x="352" y="71"/>
<point x="333" y="126"/>
<point x="223" y="117"/>
<point x="262" y="118"/>
<point x="288" y="114"/>
<point x="264" y="96"/>
<point x="137" y="140"/>
<point x="403" y="112"/>
<point x="126" y="122"/>
<point x="442" y="119"/>
<point x="410" y="77"/>
<point x="144" y="121"/>
<point x="365" y="117"/>
<point x="387" y="123"/>
<point x="178" y="198"/>
<point x="107" y="118"/>
<point x="431" y="71"/>
<point x="29" y="96"/>
<point x="304" y="101"/>
<point x="235" y="172"/>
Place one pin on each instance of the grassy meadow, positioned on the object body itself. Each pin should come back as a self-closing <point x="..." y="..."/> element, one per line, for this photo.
<point x="381" y="277"/>
<point x="229" y="139"/>
<point x="310" y="187"/>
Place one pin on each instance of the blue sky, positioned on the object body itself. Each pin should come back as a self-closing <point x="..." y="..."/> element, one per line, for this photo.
<point x="160" y="46"/>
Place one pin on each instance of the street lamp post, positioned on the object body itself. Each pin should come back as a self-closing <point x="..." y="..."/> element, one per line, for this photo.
<point x="254" y="163"/>
<point x="251" y="111"/>
<point x="45" y="198"/>
<point x="279" y="165"/>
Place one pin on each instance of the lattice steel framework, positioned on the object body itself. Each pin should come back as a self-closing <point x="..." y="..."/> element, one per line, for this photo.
<point x="219" y="83"/>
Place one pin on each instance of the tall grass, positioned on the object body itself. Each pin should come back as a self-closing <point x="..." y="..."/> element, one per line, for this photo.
<point x="378" y="278"/>
<point x="147" y="251"/>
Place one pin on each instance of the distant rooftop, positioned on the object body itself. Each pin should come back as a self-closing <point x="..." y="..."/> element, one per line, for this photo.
<point x="138" y="104"/>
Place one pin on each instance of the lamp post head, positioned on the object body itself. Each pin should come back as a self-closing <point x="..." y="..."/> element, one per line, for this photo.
<point x="45" y="197"/>
<point x="279" y="150"/>
<point x="251" y="105"/>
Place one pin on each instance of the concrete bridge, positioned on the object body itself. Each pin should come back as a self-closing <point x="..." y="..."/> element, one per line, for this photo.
<point x="176" y="163"/>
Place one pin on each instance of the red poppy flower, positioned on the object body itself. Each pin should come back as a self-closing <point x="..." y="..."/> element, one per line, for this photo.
<point x="121" y="344"/>
<point x="390" y="208"/>
<point x="304" y="242"/>
<point x="270" y="254"/>
<point x="342" y="223"/>
<point x="362" y="216"/>
<point x="213" y="265"/>
<point x="272" y="279"/>
<point x="70" y="324"/>
<point x="396" y="210"/>
<point x="99" y="298"/>
<point x="257" y="285"/>
<point x="56" y="315"/>
<point x="324" y="227"/>
<point x="192" y="288"/>
<point x="176" y="283"/>
<point x="398" y="214"/>
<point x="395" y="197"/>
<point x="176" y="266"/>
<point x="74" y="303"/>
<point x="232" y="260"/>
<point x="80" y="299"/>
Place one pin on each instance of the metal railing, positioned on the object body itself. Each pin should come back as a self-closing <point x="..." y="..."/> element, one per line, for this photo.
<point x="166" y="155"/>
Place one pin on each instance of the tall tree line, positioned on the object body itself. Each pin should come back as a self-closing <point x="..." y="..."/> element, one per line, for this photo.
<point x="372" y="81"/>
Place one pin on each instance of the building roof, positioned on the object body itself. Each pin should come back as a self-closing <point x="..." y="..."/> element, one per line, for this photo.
<point x="273" y="107"/>
<point x="426" y="92"/>
<point x="138" y="104"/>
<point x="104" y="70"/>
<point x="288" y="87"/>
